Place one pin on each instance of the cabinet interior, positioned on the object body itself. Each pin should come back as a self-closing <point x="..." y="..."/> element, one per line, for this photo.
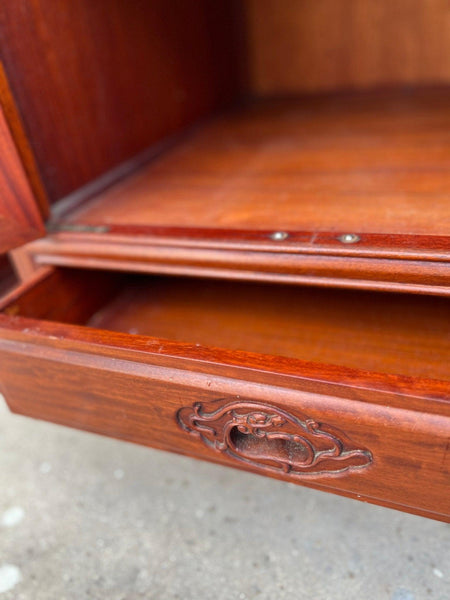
<point x="387" y="333"/>
<point x="302" y="142"/>
<point x="359" y="163"/>
<point x="188" y="155"/>
<point x="108" y="112"/>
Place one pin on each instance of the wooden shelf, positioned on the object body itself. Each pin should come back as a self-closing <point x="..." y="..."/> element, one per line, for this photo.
<point x="375" y="166"/>
<point x="365" y="164"/>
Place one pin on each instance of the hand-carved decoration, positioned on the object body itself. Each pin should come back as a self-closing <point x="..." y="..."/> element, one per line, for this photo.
<point x="267" y="436"/>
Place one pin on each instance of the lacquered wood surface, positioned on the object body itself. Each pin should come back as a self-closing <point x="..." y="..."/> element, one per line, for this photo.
<point x="385" y="333"/>
<point x="406" y="335"/>
<point x="8" y="278"/>
<point x="32" y="300"/>
<point x="404" y="268"/>
<point x="377" y="163"/>
<point x="20" y="219"/>
<point x="375" y="166"/>
<point x="97" y="82"/>
<point x="22" y="143"/>
<point x="125" y="356"/>
<point x="133" y="387"/>
<point x="299" y="45"/>
<point x="66" y="296"/>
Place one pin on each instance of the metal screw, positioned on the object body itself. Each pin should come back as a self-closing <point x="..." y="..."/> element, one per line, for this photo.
<point x="278" y="236"/>
<point x="349" y="238"/>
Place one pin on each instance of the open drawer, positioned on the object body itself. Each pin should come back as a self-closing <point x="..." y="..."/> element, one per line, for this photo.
<point x="347" y="393"/>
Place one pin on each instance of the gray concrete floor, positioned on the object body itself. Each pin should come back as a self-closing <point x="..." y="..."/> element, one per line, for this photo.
<point x="86" y="517"/>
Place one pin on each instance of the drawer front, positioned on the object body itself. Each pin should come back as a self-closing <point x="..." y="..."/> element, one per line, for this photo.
<point x="337" y="438"/>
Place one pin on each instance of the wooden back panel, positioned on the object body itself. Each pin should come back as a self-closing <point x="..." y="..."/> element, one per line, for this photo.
<point x="98" y="82"/>
<point x="313" y="45"/>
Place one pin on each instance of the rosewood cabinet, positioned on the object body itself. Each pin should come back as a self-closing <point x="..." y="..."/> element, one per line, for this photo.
<point x="225" y="232"/>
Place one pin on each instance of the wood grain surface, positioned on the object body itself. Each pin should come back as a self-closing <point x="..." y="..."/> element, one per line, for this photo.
<point x="20" y="218"/>
<point x="375" y="163"/>
<point x="386" y="333"/>
<point x="8" y="279"/>
<point x="96" y="83"/>
<point x="372" y="165"/>
<point x="22" y="144"/>
<point x="133" y="386"/>
<point x="355" y="187"/>
<point x="399" y="271"/>
<point x="298" y="45"/>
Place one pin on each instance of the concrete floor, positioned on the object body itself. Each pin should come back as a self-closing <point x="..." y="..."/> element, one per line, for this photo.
<point x="86" y="517"/>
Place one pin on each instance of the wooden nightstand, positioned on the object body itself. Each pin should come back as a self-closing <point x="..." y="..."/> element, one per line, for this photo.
<point x="229" y="223"/>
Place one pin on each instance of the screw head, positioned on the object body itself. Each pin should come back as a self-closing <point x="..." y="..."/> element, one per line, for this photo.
<point x="349" y="238"/>
<point x="278" y="236"/>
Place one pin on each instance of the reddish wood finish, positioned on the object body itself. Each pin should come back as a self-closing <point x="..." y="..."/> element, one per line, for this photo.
<point x="133" y="387"/>
<point x="385" y="333"/>
<point x="263" y="435"/>
<point x="250" y="264"/>
<point x="315" y="169"/>
<point x="8" y="279"/>
<point x="298" y="45"/>
<point x="97" y="82"/>
<point x="343" y="391"/>
<point x="20" y="220"/>
<point x="75" y="295"/>
<point x="22" y="143"/>
<point x="351" y="163"/>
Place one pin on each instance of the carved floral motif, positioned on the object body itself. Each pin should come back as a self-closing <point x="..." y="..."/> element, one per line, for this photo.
<point x="268" y="437"/>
